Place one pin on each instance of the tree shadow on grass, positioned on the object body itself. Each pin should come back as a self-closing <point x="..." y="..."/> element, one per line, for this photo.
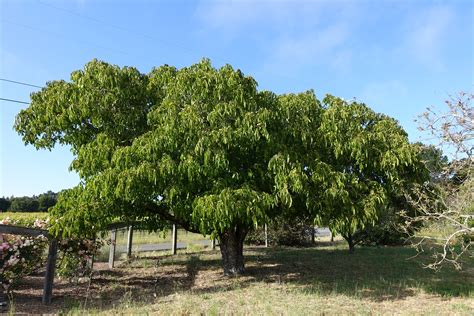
<point x="376" y="273"/>
<point x="108" y="289"/>
<point x="373" y="273"/>
<point x="384" y="273"/>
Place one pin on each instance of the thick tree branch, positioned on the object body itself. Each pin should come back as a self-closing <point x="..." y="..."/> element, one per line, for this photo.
<point x="163" y="213"/>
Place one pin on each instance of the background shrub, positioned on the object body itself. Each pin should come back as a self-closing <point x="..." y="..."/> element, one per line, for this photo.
<point x="282" y="232"/>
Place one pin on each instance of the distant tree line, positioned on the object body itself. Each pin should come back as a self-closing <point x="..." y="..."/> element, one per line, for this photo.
<point x="36" y="203"/>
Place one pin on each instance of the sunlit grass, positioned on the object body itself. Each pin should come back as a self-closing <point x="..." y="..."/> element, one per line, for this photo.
<point x="324" y="279"/>
<point x="439" y="229"/>
<point x="144" y="237"/>
<point x="141" y="238"/>
<point x="290" y="281"/>
<point x="24" y="218"/>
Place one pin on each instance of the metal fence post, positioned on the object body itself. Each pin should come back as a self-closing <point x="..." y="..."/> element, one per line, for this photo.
<point x="266" y="236"/>
<point x="174" y="240"/>
<point x="113" y="241"/>
<point x="213" y="244"/>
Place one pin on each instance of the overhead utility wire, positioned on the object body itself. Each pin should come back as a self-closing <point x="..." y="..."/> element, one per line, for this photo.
<point x="183" y="48"/>
<point x="58" y="35"/>
<point x="14" y="101"/>
<point x="19" y="82"/>
<point x="119" y="27"/>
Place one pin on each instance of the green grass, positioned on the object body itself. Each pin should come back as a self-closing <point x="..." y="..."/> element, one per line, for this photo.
<point x="325" y="279"/>
<point x="144" y="237"/>
<point x="440" y="229"/>
<point x="291" y="281"/>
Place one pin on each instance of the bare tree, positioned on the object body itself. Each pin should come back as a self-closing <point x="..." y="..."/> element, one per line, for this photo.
<point x="448" y="199"/>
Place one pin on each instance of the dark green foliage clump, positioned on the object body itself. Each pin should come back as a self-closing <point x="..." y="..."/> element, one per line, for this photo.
<point x="387" y="231"/>
<point x="24" y="204"/>
<point x="281" y="232"/>
<point x="35" y="203"/>
<point x="4" y="204"/>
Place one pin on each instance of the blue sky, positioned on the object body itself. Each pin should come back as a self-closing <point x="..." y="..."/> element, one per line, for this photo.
<point x="397" y="56"/>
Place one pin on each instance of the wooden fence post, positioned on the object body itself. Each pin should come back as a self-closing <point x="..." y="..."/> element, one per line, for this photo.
<point x="92" y="261"/>
<point x="50" y="267"/>
<point x="174" y="240"/>
<point x="266" y="236"/>
<point x="113" y="241"/>
<point x="129" y="241"/>
<point x="213" y="244"/>
<point x="3" y="300"/>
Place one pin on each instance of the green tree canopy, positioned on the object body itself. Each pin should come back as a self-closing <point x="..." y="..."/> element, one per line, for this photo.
<point x="4" y="204"/>
<point x="24" y="204"/>
<point x="434" y="160"/>
<point x="46" y="200"/>
<point x="190" y="145"/>
<point x="203" y="148"/>
<point x="366" y="160"/>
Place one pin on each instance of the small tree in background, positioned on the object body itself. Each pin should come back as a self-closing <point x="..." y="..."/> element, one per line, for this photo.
<point x="46" y="200"/>
<point x="390" y="227"/>
<point x="367" y="159"/>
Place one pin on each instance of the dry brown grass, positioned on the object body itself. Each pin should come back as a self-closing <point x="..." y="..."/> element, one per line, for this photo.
<point x="288" y="281"/>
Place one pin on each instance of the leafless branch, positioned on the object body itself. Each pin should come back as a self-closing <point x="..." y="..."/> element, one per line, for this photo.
<point x="450" y="201"/>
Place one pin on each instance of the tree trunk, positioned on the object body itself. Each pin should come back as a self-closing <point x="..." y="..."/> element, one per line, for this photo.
<point x="350" y="242"/>
<point x="231" y="243"/>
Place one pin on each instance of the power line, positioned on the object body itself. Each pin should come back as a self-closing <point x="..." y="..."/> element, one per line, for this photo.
<point x="15" y="101"/>
<point x="21" y="83"/>
<point x="62" y="36"/>
<point x="118" y="27"/>
<point x="183" y="48"/>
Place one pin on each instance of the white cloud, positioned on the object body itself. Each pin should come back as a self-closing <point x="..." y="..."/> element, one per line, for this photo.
<point x="317" y="46"/>
<point x="294" y="33"/>
<point x="227" y="13"/>
<point x="81" y="4"/>
<point x="426" y="32"/>
<point x="375" y="94"/>
<point x="234" y="16"/>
